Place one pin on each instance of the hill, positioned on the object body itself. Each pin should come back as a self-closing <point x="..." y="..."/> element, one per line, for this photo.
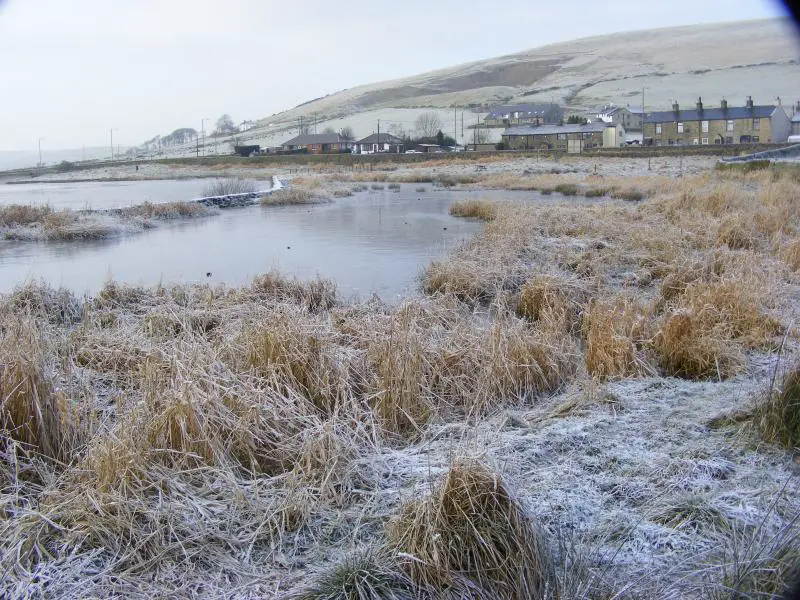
<point x="732" y="60"/>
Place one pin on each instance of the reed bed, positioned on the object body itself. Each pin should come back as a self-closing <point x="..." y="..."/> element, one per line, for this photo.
<point x="199" y="440"/>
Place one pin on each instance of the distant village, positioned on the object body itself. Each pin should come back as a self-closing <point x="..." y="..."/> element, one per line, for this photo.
<point x="548" y="127"/>
<point x="533" y="127"/>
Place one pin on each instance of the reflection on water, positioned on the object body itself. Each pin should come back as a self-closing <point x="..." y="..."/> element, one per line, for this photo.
<point x="371" y="242"/>
<point x="100" y="194"/>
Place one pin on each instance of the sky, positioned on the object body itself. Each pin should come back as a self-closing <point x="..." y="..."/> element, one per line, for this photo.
<point x="70" y="72"/>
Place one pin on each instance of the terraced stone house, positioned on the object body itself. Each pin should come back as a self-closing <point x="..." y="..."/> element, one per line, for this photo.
<point x="748" y="124"/>
<point x="571" y="138"/>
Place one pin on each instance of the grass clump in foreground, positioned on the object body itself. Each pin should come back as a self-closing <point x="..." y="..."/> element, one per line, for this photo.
<point x="777" y="417"/>
<point x="472" y="538"/>
<point x="479" y="209"/>
<point x="229" y="186"/>
<point x="167" y="210"/>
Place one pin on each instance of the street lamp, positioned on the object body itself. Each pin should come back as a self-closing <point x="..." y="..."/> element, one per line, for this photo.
<point x="40" y="151"/>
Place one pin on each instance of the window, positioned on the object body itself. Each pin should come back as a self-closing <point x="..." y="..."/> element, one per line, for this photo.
<point x="756" y="124"/>
<point x="695" y="142"/>
<point x="717" y="141"/>
<point x="671" y="142"/>
<point x="562" y="136"/>
<point x="704" y="141"/>
<point x="705" y="126"/>
<point x="587" y="135"/>
<point x="680" y="127"/>
<point x="755" y="139"/>
<point x="658" y="128"/>
<point x="730" y="125"/>
<point x="729" y="140"/>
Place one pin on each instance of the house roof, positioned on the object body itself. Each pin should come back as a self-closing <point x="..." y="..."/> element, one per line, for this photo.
<point x="796" y="118"/>
<point x="528" y="110"/>
<point x="314" y="138"/>
<point x="381" y="138"/>
<point x="551" y="129"/>
<point x="711" y="114"/>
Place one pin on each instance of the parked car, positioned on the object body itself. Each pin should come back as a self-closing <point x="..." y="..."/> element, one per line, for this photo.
<point x="413" y="152"/>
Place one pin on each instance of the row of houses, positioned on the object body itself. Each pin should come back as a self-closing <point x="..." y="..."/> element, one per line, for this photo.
<point x="331" y="143"/>
<point x="608" y="127"/>
<point x="542" y="126"/>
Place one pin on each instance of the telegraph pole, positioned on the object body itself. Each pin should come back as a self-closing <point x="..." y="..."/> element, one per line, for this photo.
<point x="112" y="142"/>
<point x="455" y="125"/>
<point x="203" y="132"/>
<point x="40" y="151"/>
<point x="379" y="134"/>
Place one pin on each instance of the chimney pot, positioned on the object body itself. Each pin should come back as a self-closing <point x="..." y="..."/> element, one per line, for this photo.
<point x="749" y="103"/>
<point x="700" y="105"/>
<point x="724" y="104"/>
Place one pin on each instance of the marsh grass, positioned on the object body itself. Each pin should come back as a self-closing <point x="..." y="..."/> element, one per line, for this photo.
<point x="167" y="210"/>
<point x="479" y="209"/>
<point x="472" y="538"/>
<point x="19" y="214"/>
<point x="777" y="416"/>
<point x="292" y="195"/>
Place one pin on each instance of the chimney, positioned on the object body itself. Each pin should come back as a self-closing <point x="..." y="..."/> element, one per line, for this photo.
<point x="797" y="108"/>
<point x="699" y="105"/>
<point x="723" y="105"/>
<point x="749" y="103"/>
<point x="675" y="107"/>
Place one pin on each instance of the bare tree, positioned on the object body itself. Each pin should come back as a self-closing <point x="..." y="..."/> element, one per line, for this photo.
<point x="329" y="130"/>
<point x="481" y="135"/>
<point x="225" y="126"/>
<point x="428" y="124"/>
<point x="347" y="133"/>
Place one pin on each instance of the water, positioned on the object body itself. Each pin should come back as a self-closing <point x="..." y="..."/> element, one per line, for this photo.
<point x="375" y="241"/>
<point x="101" y="194"/>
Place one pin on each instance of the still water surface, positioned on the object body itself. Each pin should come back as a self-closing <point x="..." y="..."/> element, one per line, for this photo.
<point x="375" y="241"/>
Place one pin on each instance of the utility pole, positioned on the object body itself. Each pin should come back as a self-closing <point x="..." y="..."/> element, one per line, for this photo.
<point x="203" y="132"/>
<point x="112" y="143"/>
<point x="379" y="134"/>
<point x="462" y="125"/>
<point x="40" y="151"/>
<point x="455" y="125"/>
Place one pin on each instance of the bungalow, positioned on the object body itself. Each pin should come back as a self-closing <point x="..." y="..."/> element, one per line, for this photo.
<point x="318" y="143"/>
<point x="748" y="124"/>
<point x="524" y="114"/>
<point x="572" y="138"/>
<point x="796" y="120"/>
<point x="378" y="142"/>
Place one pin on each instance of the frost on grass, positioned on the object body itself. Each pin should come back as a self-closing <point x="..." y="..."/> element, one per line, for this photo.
<point x="545" y="422"/>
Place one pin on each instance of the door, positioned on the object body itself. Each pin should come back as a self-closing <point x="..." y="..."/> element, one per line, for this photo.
<point x="574" y="146"/>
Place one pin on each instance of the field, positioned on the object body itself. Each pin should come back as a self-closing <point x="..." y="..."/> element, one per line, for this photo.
<point x="589" y="399"/>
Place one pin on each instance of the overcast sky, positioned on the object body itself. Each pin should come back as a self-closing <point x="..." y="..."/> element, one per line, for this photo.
<point x="71" y="70"/>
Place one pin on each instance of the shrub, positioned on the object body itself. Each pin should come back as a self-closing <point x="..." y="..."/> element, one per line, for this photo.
<point x="394" y="186"/>
<point x="790" y="253"/>
<point x="471" y="538"/>
<point x="421" y="189"/>
<point x="595" y="192"/>
<point x="479" y="209"/>
<point x="229" y="186"/>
